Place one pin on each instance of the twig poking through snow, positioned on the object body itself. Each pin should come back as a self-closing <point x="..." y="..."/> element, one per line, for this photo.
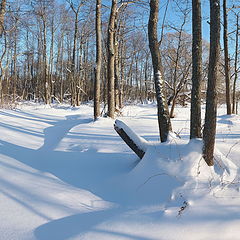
<point x="182" y="208"/>
<point x="236" y="143"/>
<point x="159" y="174"/>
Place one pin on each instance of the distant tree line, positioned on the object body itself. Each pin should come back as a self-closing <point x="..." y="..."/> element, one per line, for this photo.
<point x="48" y="53"/>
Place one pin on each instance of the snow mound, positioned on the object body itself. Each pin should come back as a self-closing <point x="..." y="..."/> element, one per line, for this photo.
<point x="175" y="174"/>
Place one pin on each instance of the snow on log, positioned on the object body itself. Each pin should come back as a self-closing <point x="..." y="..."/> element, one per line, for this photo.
<point x="135" y="142"/>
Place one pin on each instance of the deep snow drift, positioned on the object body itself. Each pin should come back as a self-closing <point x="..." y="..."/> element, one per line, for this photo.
<point x="63" y="176"/>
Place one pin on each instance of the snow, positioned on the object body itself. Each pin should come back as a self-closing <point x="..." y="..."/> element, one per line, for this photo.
<point x="64" y="176"/>
<point x="160" y="83"/>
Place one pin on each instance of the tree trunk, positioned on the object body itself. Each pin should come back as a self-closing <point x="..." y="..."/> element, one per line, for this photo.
<point x="163" y="113"/>
<point x="226" y="56"/>
<point x="116" y="74"/>
<point x="209" y="130"/>
<point x="15" y="64"/>
<point x="122" y="78"/>
<point x="98" y="28"/>
<point x="111" y="58"/>
<point x="195" y="124"/>
<point x="73" y="72"/>
<point x="235" y="67"/>
<point x="2" y="15"/>
<point x="51" y="58"/>
<point x="146" y="78"/>
<point x="2" y="70"/>
<point x="45" y="72"/>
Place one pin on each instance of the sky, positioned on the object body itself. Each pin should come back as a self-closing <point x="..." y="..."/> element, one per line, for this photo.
<point x="174" y="17"/>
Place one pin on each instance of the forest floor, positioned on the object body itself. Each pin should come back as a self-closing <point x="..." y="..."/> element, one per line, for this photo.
<point x="63" y="176"/>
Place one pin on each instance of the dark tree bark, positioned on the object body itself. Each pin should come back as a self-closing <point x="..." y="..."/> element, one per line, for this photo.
<point x="41" y="11"/>
<point x="129" y="141"/>
<point x="163" y="113"/>
<point x="73" y="80"/>
<point x="111" y="59"/>
<point x="15" y="60"/>
<point x="45" y="72"/>
<point x="226" y="56"/>
<point x="116" y="74"/>
<point x="51" y="60"/>
<point x="2" y="15"/>
<point x="209" y="130"/>
<point x="195" y="125"/>
<point x="2" y="70"/>
<point x="98" y="29"/>
<point x="235" y="66"/>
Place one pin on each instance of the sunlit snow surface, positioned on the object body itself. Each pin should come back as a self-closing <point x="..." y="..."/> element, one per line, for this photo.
<point x="63" y="176"/>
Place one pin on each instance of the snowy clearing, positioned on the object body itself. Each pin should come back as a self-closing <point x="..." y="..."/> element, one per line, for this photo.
<point x="63" y="176"/>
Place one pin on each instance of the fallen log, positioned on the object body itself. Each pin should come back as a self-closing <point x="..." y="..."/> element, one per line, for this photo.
<point x="135" y="142"/>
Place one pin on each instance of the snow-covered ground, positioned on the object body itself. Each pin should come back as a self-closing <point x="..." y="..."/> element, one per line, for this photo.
<point x="63" y="176"/>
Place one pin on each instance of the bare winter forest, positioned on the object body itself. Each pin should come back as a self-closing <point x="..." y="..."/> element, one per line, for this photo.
<point x="48" y="51"/>
<point x="168" y="70"/>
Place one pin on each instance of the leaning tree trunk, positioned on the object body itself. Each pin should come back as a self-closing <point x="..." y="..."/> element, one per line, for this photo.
<point x="226" y="57"/>
<point x="195" y="124"/>
<point x="98" y="60"/>
<point x="163" y="113"/>
<point x="135" y="142"/>
<point x="209" y="130"/>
